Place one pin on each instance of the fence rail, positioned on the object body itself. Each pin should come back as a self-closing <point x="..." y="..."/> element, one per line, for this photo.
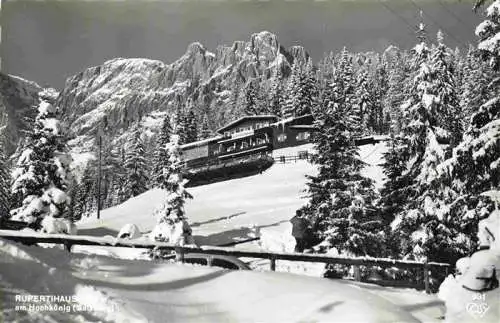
<point x="69" y="241"/>
<point x="284" y="159"/>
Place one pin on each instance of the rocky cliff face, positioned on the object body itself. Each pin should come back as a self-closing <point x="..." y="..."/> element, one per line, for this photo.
<point x="17" y="98"/>
<point x="124" y="93"/>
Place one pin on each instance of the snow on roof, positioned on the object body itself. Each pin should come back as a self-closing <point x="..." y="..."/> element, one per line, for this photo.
<point x="242" y="119"/>
<point x="303" y="126"/>
<point x="282" y="122"/>
<point x="200" y="142"/>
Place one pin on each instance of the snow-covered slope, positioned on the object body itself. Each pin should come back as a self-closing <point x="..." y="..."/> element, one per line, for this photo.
<point x="238" y="209"/>
<point x="221" y="212"/>
<point x="115" y="290"/>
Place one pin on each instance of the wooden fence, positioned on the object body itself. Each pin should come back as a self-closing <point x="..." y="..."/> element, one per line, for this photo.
<point x="69" y="241"/>
<point x="284" y="159"/>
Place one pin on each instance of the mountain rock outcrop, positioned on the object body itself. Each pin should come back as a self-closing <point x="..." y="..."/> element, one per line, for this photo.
<point x="17" y="98"/>
<point x="125" y="93"/>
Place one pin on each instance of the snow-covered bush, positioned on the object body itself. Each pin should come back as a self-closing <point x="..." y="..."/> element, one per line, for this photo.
<point x="129" y="231"/>
<point x="178" y="233"/>
<point x="271" y="240"/>
<point x="53" y="225"/>
<point x="41" y="176"/>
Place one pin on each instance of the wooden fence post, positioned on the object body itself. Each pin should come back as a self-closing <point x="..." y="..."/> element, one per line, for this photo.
<point x="357" y="273"/>
<point x="427" y="278"/>
<point x="179" y="255"/>
<point x="273" y="263"/>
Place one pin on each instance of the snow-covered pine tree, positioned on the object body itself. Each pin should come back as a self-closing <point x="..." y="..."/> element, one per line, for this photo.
<point x="135" y="166"/>
<point x="474" y="168"/>
<point x="160" y="158"/>
<point x="426" y="228"/>
<point x="4" y="183"/>
<point x="487" y="31"/>
<point x="251" y="105"/>
<point x="308" y="91"/>
<point x="180" y="124"/>
<point x="191" y="126"/>
<point x="340" y="203"/>
<point x="364" y="101"/>
<point x="378" y="90"/>
<point x="41" y="176"/>
<point x="113" y="177"/>
<point x="476" y="77"/>
<point x="172" y="209"/>
<point x="445" y="88"/>
<point x="275" y="93"/>
<point x="290" y="100"/>
<point x="205" y="130"/>
<point x="397" y="92"/>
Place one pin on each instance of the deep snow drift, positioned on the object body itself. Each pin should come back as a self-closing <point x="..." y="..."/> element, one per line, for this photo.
<point x="117" y="290"/>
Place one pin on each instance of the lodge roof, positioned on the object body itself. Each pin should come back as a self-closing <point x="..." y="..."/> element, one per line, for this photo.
<point x="233" y="124"/>
<point x="200" y="142"/>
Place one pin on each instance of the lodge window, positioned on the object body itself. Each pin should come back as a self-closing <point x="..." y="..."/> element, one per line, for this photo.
<point x="303" y="136"/>
<point x="282" y="137"/>
<point x="244" y="145"/>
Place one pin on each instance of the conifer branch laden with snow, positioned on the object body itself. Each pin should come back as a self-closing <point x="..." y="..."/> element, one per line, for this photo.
<point x="41" y="176"/>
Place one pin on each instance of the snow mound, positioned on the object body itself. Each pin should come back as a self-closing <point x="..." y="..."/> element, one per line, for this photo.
<point x="53" y="225"/>
<point x="129" y="231"/>
<point x="43" y="279"/>
<point x="276" y="241"/>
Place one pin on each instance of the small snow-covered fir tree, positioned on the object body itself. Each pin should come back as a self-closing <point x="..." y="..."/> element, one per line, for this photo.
<point x="308" y="94"/>
<point x="4" y="183"/>
<point x="364" y="100"/>
<point x="41" y="176"/>
<point x="275" y="93"/>
<point x="172" y="209"/>
<point x="290" y="101"/>
<point x="445" y="88"/>
<point x="251" y="104"/>
<point x="136" y="166"/>
<point x="160" y="158"/>
<point x="191" y="126"/>
<point x="204" y="130"/>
